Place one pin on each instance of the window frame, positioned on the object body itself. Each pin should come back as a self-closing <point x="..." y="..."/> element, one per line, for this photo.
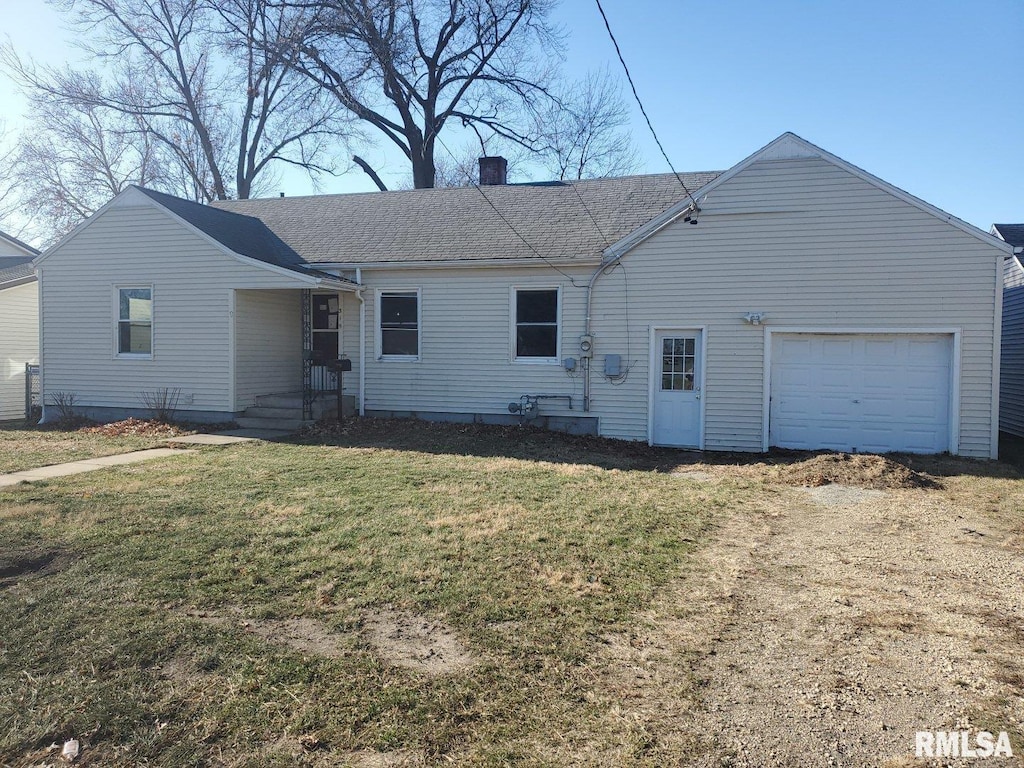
<point x="118" y="354"/>
<point x="380" y="294"/>
<point x="514" y="325"/>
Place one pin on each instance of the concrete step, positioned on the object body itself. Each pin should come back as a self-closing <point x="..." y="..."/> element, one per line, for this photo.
<point x="289" y="400"/>
<point x="266" y="412"/>
<point x="286" y="424"/>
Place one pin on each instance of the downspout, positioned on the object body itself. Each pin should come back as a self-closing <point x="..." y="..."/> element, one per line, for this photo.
<point x="586" y="324"/>
<point x="362" y="342"/>
<point x="690" y="215"/>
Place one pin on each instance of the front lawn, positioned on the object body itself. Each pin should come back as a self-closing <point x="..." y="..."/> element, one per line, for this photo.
<point x="22" y="448"/>
<point x="281" y="599"/>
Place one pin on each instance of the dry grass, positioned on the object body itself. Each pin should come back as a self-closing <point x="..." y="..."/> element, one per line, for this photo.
<point x="36" y="447"/>
<point x="404" y="594"/>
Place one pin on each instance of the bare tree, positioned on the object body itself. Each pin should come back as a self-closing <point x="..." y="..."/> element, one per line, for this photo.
<point x="205" y="80"/>
<point x="586" y="134"/>
<point x="409" y="68"/>
<point x="73" y="160"/>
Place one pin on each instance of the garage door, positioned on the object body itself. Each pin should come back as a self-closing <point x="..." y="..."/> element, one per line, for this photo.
<point x="860" y="392"/>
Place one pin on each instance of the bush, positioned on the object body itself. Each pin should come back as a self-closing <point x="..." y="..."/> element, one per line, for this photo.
<point x="162" y="402"/>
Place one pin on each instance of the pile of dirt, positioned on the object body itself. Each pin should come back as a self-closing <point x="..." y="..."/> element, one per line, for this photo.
<point x="139" y="428"/>
<point x="860" y="470"/>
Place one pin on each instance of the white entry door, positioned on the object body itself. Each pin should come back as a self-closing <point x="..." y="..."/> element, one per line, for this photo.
<point x="676" y="389"/>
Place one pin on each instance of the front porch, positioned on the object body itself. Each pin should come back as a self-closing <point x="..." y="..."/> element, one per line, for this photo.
<point x="287" y="344"/>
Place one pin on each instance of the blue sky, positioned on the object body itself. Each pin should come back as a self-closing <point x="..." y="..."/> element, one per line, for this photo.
<point x="926" y="95"/>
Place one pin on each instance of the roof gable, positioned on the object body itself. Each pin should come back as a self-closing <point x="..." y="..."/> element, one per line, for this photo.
<point x="18" y="245"/>
<point x="785" y="147"/>
<point x="225" y="231"/>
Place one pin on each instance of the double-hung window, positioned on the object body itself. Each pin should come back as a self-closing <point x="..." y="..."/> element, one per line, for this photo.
<point x="135" y="322"/>
<point x="536" y="321"/>
<point x="399" y="324"/>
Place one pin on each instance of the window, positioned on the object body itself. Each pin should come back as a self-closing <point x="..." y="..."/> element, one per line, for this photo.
<point x="135" y="322"/>
<point x="678" y="357"/>
<point x="399" y="313"/>
<point x="537" y="324"/>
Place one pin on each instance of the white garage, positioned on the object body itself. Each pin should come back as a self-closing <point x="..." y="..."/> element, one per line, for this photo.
<point x="862" y="392"/>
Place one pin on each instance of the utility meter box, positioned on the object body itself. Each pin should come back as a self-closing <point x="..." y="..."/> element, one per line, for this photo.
<point x="586" y="345"/>
<point x="613" y="365"/>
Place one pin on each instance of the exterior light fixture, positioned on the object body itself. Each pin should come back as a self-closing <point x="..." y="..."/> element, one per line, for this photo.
<point x="754" y="318"/>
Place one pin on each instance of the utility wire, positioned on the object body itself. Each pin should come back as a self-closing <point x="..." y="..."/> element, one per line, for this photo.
<point x="636" y="95"/>
<point x="508" y="223"/>
<point x="597" y="226"/>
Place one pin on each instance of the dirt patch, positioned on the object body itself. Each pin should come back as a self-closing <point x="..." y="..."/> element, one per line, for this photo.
<point x="33" y="562"/>
<point x="402" y="639"/>
<point x="826" y="632"/>
<point x="300" y="634"/>
<point x="841" y="495"/>
<point x="414" y="642"/>
<point x="139" y="428"/>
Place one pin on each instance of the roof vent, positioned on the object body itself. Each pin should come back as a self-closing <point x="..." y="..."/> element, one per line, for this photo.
<point x="493" y="171"/>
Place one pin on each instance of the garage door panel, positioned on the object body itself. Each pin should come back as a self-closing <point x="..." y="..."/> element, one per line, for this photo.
<point x="874" y="392"/>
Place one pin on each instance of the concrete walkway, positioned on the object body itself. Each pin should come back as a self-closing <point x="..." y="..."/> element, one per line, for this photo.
<point x="87" y="465"/>
<point x="229" y="437"/>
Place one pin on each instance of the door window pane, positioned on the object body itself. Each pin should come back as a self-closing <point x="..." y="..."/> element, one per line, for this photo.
<point x="678" y="364"/>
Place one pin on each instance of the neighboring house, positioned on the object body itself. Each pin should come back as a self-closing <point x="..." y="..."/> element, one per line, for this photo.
<point x="19" y="323"/>
<point x="806" y="304"/>
<point x="1011" y="366"/>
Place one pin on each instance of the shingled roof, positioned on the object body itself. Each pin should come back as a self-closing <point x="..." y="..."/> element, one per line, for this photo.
<point x="560" y="220"/>
<point x="1011" y="233"/>
<point x="15" y="270"/>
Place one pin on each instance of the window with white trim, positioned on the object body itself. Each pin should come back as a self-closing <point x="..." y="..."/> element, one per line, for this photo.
<point x="399" y="324"/>
<point x="135" y="322"/>
<point x="536" y="319"/>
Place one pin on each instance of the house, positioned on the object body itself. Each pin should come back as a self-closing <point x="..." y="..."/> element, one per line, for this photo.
<point x="19" y="323"/>
<point x="793" y="300"/>
<point x="1011" y="365"/>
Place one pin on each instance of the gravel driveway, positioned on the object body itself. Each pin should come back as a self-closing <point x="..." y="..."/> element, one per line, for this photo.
<point x="828" y="626"/>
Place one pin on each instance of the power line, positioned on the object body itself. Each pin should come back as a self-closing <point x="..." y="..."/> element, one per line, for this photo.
<point x="643" y="111"/>
<point x="597" y="226"/>
<point x="508" y="223"/>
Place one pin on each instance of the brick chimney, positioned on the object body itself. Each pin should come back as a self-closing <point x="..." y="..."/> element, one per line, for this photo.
<point x="493" y="171"/>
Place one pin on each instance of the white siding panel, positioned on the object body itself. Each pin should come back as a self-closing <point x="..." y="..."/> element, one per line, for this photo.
<point x="835" y="252"/>
<point x="1011" y="372"/>
<point x="465" y="363"/>
<point x="19" y="344"/>
<point x="192" y="283"/>
<point x="268" y="344"/>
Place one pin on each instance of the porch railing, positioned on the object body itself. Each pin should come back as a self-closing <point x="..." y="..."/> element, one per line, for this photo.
<point x="33" y="394"/>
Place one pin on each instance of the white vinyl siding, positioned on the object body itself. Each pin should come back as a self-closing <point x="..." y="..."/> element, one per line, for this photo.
<point x="834" y="251"/>
<point x="268" y="344"/>
<point x="19" y="344"/>
<point x="464" y="364"/>
<point x="193" y="283"/>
